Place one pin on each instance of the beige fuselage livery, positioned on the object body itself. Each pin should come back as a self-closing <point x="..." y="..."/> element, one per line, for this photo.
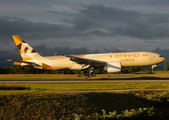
<point x="127" y="59"/>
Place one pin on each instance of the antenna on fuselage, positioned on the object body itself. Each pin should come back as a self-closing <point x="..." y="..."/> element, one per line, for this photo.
<point x="59" y="54"/>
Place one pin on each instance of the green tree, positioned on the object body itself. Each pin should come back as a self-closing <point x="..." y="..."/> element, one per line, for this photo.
<point x="166" y="65"/>
<point x="130" y="70"/>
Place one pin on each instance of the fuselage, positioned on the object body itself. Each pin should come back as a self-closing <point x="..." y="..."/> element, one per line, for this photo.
<point x="127" y="59"/>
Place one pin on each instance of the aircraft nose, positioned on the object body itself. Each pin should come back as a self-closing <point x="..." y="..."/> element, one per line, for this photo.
<point x="162" y="58"/>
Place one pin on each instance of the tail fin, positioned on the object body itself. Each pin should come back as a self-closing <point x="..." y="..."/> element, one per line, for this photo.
<point x="26" y="51"/>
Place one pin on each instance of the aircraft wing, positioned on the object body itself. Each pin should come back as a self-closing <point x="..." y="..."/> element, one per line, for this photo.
<point x="91" y="62"/>
<point x="30" y="63"/>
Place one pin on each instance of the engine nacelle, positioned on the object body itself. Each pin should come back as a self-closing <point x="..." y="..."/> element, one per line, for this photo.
<point x="113" y="67"/>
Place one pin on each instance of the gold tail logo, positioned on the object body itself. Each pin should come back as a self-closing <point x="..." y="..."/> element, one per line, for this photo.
<point x="26" y="51"/>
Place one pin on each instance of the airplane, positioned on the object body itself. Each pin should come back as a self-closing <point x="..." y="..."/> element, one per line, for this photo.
<point x="111" y="62"/>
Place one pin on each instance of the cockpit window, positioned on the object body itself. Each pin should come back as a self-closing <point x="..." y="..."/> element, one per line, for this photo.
<point x="161" y="56"/>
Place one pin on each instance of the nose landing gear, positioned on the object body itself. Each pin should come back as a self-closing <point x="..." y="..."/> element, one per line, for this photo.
<point x="152" y="68"/>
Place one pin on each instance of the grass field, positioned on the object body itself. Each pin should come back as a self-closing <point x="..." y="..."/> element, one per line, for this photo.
<point x="9" y="89"/>
<point x="80" y="101"/>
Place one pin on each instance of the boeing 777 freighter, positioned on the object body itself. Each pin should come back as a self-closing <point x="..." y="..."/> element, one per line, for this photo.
<point x="111" y="62"/>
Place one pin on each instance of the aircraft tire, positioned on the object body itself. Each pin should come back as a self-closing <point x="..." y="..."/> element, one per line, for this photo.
<point x="86" y="76"/>
<point x="94" y="75"/>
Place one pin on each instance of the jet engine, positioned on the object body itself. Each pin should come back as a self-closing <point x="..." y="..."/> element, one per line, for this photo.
<point x="113" y="67"/>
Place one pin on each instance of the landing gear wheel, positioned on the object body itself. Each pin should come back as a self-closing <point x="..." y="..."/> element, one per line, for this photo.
<point x="94" y="75"/>
<point x="86" y="76"/>
<point x="90" y="76"/>
<point x="90" y="73"/>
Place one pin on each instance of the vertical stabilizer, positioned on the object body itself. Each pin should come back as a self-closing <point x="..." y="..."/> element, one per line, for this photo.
<point x="26" y="51"/>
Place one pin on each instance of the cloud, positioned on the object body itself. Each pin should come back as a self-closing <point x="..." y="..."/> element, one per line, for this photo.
<point x="120" y="22"/>
<point x="7" y="55"/>
<point x="92" y="20"/>
<point x="63" y="9"/>
<point x="11" y="26"/>
<point x="46" y="51"/>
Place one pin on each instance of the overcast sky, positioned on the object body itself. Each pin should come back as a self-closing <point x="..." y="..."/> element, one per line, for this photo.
<point x="88" y="26"/>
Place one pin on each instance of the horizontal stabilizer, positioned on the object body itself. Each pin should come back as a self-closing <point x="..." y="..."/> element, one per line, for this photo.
<point x="9" y="60"/>
<point x="30" y="63"/>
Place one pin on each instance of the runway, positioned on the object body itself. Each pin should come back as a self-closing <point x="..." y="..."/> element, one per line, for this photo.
<point x="77" y="81"/>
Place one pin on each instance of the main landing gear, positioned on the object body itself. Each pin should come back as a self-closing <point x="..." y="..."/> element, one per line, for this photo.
<point x="90" y="73"/>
